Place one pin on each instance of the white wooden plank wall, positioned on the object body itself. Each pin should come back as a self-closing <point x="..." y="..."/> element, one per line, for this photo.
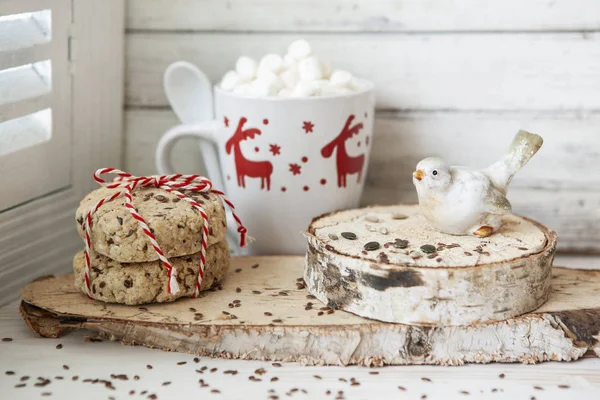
<point x="454" y="78"/>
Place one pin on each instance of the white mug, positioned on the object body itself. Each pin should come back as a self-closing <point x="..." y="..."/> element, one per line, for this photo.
<point x="283" y="161"/>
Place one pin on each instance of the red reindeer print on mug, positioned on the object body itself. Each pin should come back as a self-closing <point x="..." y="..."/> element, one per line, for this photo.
<point x="346" y="165"/>
<point x="244" y="167"/>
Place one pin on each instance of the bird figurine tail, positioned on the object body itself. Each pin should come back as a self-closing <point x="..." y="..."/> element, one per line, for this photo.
<point x="523" y="147"/>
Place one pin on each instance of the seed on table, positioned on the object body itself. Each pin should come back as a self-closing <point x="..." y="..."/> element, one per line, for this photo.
<point x="7" y="339"/>
<point x="182" y="362"/>
<point x="370" y="246"/>
<point x="268" y="314"/>
<point x="428" y="249"/>
<point x="401" y="244"/>
<point x="426" y="379"/>
<point x="276" y="364"/>
<point x="255" y="266"/>
<point x="274" y="379"/>
<point x="468" y="254"/>
<point x="59" y="346"/>
<point x="399" y="216"/>
<point x="10" y="372"/>
<point x="20" y="385"/>
<point x="238" y="290"/>
<point x="149" y="366"/>
<point x="333" y="236"/>
<point x="349" y="235"/>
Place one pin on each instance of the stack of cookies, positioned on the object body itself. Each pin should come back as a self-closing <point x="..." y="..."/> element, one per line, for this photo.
<point x="126" y="269"/>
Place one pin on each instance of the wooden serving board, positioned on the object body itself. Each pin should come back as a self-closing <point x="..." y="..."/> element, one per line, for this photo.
<point x="278" y="320"/>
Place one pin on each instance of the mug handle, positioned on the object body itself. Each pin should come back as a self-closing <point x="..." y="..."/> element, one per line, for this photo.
<point x="207" y="131"/>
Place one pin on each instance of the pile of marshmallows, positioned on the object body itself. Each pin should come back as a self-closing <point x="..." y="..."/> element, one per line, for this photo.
<point x="297" y="74"/>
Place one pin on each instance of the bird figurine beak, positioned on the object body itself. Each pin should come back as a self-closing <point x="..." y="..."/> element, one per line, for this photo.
<point x="418" y="174"/>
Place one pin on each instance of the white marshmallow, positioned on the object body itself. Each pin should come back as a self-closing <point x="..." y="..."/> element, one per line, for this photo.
<point x="340" y="78"/>
<point x="310" y="69"/>
<point x="285" y="92"/>
<point x="299" y="49"/>
<point x="246" y="68"/>
<point x="304" y="89"/>
<point x="230" y="80"/>
<point x="289" y="62"/>
<point x="268" y="85"/>
<point x="326" y="68"/>
<point x="269" y="63"/>
<point x="243" y="89"/>
<point x="358" y="84"/>
<point x="290" y="77"/>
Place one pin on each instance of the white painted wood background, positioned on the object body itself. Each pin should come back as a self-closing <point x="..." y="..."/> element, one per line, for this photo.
<point x="456" y="79"/>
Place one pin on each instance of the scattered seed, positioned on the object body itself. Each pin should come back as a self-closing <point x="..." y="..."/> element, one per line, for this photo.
<point x="135" y="378"/>
<point x="277" y="321"/>
<point x="501" y="376"/>
<point x="166" y="383"/>
<point x="213" y="370"/>
<point x="20" y="385"/>
<point x="255" y="266"/>
<point x="59" y="346"/>
<point x="370" y="246"/>
<point x="182" y="363"/>
<point x="317" y="377"/>
<point x="333" y="236"/>
<point x="238" y="290"/>
<point x="276" y="364"/>
<point x="74" y="378"/>
<point x="373" y="373"/>
<point x="238" y="270"/>
<point x="215" y="391"/>
<point x="161" y="198"/>
<point x="10" y="372"/>
<point x="426" y="379"/>
<point x="538" y="388"/>
<point x="7" y="339"/>
<point x="564" y="386"/>
<point x="283" y="294"/>
<point x="310" y="297"/>
<point x="66" y="367"/>
<point x="274" y="379"/>
<point x="268" y="314"/>
<point x="192" y="309"/>
<point x="468" y="254"/>
<point x="24" y="378"/>
<point x="149" y="366"/>
<point x="320" y="313"/>
<point x="415" y="255"/>
<point x="349" y="235"/>
<point x="432" y="255"/>
<point x="523" y="248"/>
<point x="464" y="392"/>
<point x="399" y="216"/>
<point x="401" y="244"/>
<point x="428" y="248"/>
<point x="255" y="292"/>
<point x="46" y="394"/>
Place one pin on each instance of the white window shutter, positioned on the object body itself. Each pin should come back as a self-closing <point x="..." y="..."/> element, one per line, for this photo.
<point x="66" y="114"/>
<point x="35" y="99"/>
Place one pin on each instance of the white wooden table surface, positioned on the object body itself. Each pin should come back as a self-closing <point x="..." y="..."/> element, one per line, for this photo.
<point x="68" y="367"/>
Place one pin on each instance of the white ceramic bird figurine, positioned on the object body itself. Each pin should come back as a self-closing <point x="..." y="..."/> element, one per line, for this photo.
<point x="462" y="201"/>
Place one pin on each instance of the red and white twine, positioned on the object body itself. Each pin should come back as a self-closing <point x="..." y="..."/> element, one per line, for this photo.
<point x="170" y="183"/>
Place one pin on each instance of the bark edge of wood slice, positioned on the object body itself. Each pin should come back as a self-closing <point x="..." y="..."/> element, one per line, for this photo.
<point x="275" y="323"/>
<point x="381" y="285"/>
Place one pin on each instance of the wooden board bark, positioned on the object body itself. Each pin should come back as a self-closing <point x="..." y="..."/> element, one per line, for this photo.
<point x="273" y="323"/>
<point x="460" y="284"/>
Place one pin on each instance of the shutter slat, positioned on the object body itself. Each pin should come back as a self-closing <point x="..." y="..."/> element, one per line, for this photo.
<point x="24" y="90"/>
<point x="24" y="39"/>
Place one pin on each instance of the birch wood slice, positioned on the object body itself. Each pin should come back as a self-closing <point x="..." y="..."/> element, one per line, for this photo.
<point x="276" y="322"/>
<point x="357" y="261"/>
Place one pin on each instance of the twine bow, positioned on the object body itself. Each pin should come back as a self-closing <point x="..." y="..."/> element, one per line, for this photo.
<point x="172" y="184"/>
